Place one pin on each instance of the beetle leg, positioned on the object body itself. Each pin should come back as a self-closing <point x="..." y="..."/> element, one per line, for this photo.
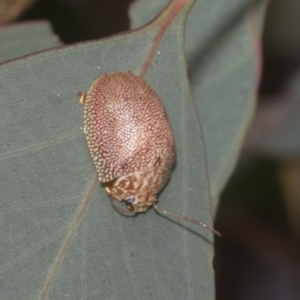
<point x="118" y="209"/>
<point x="82" y="98"/>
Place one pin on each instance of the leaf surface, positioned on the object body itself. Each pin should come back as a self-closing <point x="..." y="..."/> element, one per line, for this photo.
<point x="223" y="57"/>
<point x="26" y="38"/>
<point x="59" y="236"/>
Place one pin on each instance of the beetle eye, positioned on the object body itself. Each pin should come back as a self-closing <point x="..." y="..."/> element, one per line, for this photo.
<point x="130" y="200"/>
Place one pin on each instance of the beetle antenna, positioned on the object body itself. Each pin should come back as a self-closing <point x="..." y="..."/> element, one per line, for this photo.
<point x="163" y="211"/>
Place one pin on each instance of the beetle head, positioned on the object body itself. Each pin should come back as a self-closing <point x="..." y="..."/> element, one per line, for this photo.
<point x="139" y="190"/>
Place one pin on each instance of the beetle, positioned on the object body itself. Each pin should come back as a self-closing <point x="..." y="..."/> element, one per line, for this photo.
<point x="130" y="140"/>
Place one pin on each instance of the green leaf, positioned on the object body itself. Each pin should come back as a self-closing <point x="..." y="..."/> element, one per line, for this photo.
<point x="26" y="38"/>
<point x="222" y="50"/>
<point x="59" y="236"/>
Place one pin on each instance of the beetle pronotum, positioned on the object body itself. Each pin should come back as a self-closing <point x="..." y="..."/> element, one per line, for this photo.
<point x="130" y="140"/>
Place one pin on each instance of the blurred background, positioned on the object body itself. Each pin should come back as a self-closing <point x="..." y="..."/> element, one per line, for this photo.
<point x="259" y="213"/>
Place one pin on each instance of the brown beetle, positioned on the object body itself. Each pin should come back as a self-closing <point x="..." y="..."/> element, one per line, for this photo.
<point x="129" y="137"/>
<point x="130" y="140"/>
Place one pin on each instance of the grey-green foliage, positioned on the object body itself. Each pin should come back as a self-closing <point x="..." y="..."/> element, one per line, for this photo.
<point x="222" y="59"/>
<point x="21" y="39"/>
<point x="46" y="173"/>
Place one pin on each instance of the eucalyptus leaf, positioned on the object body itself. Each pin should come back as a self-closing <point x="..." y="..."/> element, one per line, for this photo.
<point x="223" y="64"/>
<point x="26" y="38"/>
<point x="60" y="239"/>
